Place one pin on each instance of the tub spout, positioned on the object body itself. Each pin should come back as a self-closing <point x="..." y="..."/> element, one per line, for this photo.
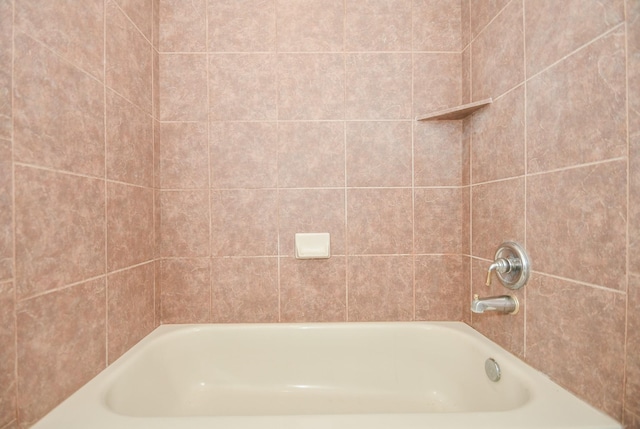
<point x="502" y="304"/>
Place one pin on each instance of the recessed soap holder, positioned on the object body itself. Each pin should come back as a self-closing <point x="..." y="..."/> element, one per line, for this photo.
<point x="511" y="265"/>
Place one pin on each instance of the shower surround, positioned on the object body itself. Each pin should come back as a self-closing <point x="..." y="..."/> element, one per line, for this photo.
<point x="156" y="158"/>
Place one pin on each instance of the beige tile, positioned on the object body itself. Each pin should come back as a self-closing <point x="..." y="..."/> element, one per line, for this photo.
<point x="572" y="329"/>
<point x="310" y="25"/>
<point x="380" y="288"/>
<point x="242" y="25"/>
<point x="155" y="24"/>
<point x="47" y="93"/>
<point x="378" y="25"/>
<point x="156" y="84"/>
<point x="60" y="223"/>
<point x="631" y="420"/>
<point x="140" y="13"/>
<point x="438" y="220"/>
<point x="576" y="223"/>
<point x="311" y="210"/>
<point x="50" y="343"/>
<point x="465" y="240"/>
<point x="311" y="86"/>
<point x="184" y="228"/>
<point x="634" y="204"/>
<point x="6" y="211"/>
<point x="576" y="110"/>
<point x="465" y="23"/>
<point x="183" y="26"/>
<point x="632" y="375"/>
<point x="157" y="292"/>
<point x="482" y="12"/>
<point x="465" y="85"/>
<point x="311" y="154"/>
<point x="633" y="65"/>
<point x="183" y="87"/>
<point x="465" y="156"/>
<point x="6" y="78"/>
<point x="7" y="354"/>
<point x="436" y="25"/>
<point x="184" y="155"/>
<point x="436" y="82"/>
<point x="313" y="290"/>
<point x="244" y="290"/>
<point x="185" y="290"/>
<point x="439" y="291"/>
<point x="437" y="153"/>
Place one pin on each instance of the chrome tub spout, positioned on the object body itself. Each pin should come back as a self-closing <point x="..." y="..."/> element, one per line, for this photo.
<point x="502" y="304"/>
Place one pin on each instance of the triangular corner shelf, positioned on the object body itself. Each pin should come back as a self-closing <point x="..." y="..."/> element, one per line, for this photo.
<point x="458" y="112"/>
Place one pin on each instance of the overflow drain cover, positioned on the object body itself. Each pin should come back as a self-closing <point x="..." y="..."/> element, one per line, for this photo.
<point x="492" y="369"/>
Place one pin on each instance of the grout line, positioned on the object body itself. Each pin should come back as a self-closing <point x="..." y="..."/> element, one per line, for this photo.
<point x="413" y="181"/>
<point x="346" y="177"/>
<point x="278" y="200"/>
<point x="209" y="172"/>
<point x="131" y="21"/>
<point x="13" y="220"/>
<point x="625" y="360"/>
<point x="473" y="39"/>
<point x="104" y="179"/>
<point x="525" y="160"/>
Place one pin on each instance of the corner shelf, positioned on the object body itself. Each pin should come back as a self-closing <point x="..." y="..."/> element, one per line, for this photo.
<point x="458" y="112"/>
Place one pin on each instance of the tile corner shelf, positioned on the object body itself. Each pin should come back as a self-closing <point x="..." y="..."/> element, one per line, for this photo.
<point x="453" y="113"/>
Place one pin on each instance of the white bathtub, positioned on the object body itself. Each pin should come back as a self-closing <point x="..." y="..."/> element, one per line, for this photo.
<point x="308" y="376"/>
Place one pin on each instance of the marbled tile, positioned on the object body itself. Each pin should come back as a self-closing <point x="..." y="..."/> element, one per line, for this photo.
<point x="60" y="229"/>
<point x="465" y="240"/>
<point x="310" y="25"/>
<point x="311" y="86"/>
<point x="440" y="294"/>
<point x="465" y="156"/>
<point x="185" y="290"/>
<point x="311" y="210"/>
<point x="6" y="78"/>
<point x="436" y="25"/>
<point x="379" y="221"/>
<point x="57" y="353"/>
<point x="140" y="13"/>
<point x="49" y="92"/>
<point x="380" y="288"/>
<point x="157" y="292"/>
<point x="437" y="153"/>
<point x="379" y="154"/>
<point x="242" y="87"/>
<point x="573" y="329"/>
<point x="466" y="295"/>
<point x="498" y="214"/>
<point x="378" y="25"/>
<point x="482" y="12"/>
<point x="438" y="220"/>
<point x="244" y="290"/>
<point x="555" y="29"/>
<point x="498" y="54"/>
<point x="633" y="65"/>
<point x="244" y="154"/>
<point x="130" y="236"/>
<point x="313" y="290"/>
<point x="6" y="211"/>
<point x="242" y="25"/>
<point x="156" y="84"/>
<point x="129" y="133"/>
<point x="632" y="375"/>
<point x="76" y="33"/>
<point x="631" y="420"/>
<point x="634" y="204"/>
<point x="7" y="353"/>
<point x="128" y="58"/>
<point x="183" y="87"/>
<point x="311" y="154"/>
<point x="184" y="155"/>
<point x="465" y="23"/>
<point x="579" y="215"/>
<point x="11" y="425"/>
<point x="378" y="86"/>
<point x="183" y="26"/>
<point x="497" y="133"/>
<point x="576" y="110"/>
<point x="436" y="82"/>
<point x="184" y="228"/>
<point x="465" y="86"/>
<point x="244" y="223"/>
<point x="130" y="303"/>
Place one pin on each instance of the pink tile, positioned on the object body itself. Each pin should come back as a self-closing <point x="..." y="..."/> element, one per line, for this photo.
<point x="243" y="86"/>
<point x="438" y="220"/>
<point x="244" y="223"/>
<point x="244" y="154"/>
<point x="311" y="86"/>
<point x="49" y="92"/>
<point x="128" y="58"/>
<point x="313" y="290"/>
<point x="497" y="133"/>
<point x="183" y="26"/>
<point x="380" y="288"/>
<point x="309" y="25"/>
<point x="465" y="23"/>
<point x="466" y="151"/>
<point x="436" y="82"/>
<point x="482" y="12"/>
<point x="632" y="380"/>
<point x="498" y="54"/>
<point x="186" y="290"/>
<point x="556" y="29"/>
<point x="184" y="228"/>
<point x="7" y="354"/>
<point x="60" y="223"/>
<point x="379" y="154"/>
<point x="572" y="329"/>
<point x="183" y="87"/>
<point x="633" y="65"/>
<point x="466" y="289"/>
<point x="439" y="291"/>
<point x="6" y="58"/>
<point x="576" y="110"/>
<point x="378" y="86"/>
<point x="244" y="290"/>
<point x="378" y="25"/>
<point x="129" y="142"/>
<point x="242" y="25"/>
<point x="631" y="420"/>
<point x="184" y="155"/>
<point x="379" y="221"/>
<point x="140" y="13"/>
<point x="436" y="25"/>
<point x="437" y="153"/>
<point x="581" y="215"/>
<point x="465" y="240"/>
<point x="50" y="344"/>
<point x="465" y="86"/>
<point x="311" y="154"/>
<point x="311" y="210"/>
<point x="131" y="308"/>
<point x="156" y="154"/>
<point x="157" y="292"/>
<point x="76" y="33"/>
<point x="156" y="84"/>
<point x="130" y="236"/>
<point x="634" y="203"/>
<point x="6" y="211"/>
<point x="155" y="18"/>
<point x="11" y="425"/>
<point x="498" y="214"/>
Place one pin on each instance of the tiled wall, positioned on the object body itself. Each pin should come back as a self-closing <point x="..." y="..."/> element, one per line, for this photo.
<point x="553" y="163"/>
<point x="77" y="256"/>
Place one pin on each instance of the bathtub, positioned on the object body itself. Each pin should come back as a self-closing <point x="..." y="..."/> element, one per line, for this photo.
<point x="307" y="376"/>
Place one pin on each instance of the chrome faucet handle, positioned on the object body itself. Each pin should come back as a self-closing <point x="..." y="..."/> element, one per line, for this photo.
<point x="511" y="265"/>
<point x="500" y="265"/>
